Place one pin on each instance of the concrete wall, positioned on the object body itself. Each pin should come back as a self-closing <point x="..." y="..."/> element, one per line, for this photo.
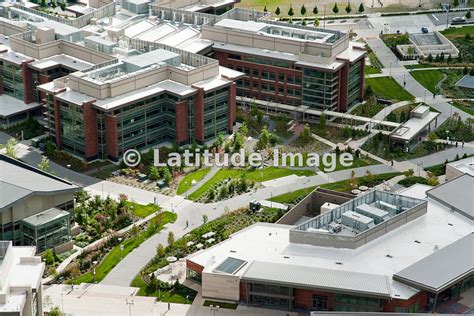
<point x="452" y="172"/>
<point x="220" y="286"/>
<point x="34" y="205"/>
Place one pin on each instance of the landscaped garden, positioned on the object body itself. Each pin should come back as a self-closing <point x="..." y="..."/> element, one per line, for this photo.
<point x="440" y="169"/>
<point x="392" y="40"/>
<point x="222" y="228"/>
<point x="379" y="146"/>
<point x="464" y="105"/>
<point x="387" y="88"/>
<point x="368" y="180"/>
<point x="449" y="87"/>
<point x="31" y="128"/>
<point x="368" y="109"/>
<point x="463" y="39"/>
<point x="94" y="265"/>
<point x="401" y="115"/>
<point x="456" y="129"/>
<point x="340" y="134"/>
<point x="227" y="182"/>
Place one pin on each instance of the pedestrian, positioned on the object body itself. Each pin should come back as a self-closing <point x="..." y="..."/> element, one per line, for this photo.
<point x="456" y="144"/>
<point x="169" y="306"/>
<point x="462" y="144"/>
<point x="392" y="162"/>
<point x="187" y="224"/>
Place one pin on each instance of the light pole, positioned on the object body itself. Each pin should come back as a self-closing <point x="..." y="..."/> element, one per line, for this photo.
<point x="129" y="303"/>
<point x="68" y="171"/>
<point x="424" y="99"/>
<point x="214" y="309"/>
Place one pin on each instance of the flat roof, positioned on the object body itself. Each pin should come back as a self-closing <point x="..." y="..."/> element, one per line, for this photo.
<point x="327" y="279"/>
<point x="46" y="216"/>
<point x="62" y="59"/>
<point x="10" y="106"/>
<point x="464" y="165"/>
<point x="413" y="126"/>
<point x="19" y="180"/>
<point x="15" y="58"/>
<point x="443" y="268"/>
<point x="466" y="82"/>
<point x="457" y="194"/>
<point x="270" y="243"/>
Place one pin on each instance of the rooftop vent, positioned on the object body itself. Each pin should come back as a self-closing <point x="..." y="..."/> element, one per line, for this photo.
<point x="389" y="256"/>
<point x="418" y="242"/>
<point x="286" y="257"/>
<point x="339" y="263"/>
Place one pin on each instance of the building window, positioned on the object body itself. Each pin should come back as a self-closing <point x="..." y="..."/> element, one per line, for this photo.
<point x="320" y="303"/>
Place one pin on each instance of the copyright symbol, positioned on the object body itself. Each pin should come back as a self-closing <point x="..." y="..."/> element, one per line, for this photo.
<point x="131" y="158"/>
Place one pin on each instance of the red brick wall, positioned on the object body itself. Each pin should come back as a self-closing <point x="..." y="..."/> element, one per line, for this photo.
<point x="194" y="266"/>
<point x="199" y="116"/>
<point x="181" y="122"/>
<point x="111" y="136"/>
<point x="57" y="123"/>
<point x="421" y="298"/>
<point x="43" y="79"/>
<point x="27" y="74"/>
<point x="343" y="86"/>
<point x="243" y="291"/>
<point x="362" y="78"/>
<point x="90" y="130"/>
<point x="255" y="92"/>
<point x="304" y="298"/>
<point x="232" y="107"/>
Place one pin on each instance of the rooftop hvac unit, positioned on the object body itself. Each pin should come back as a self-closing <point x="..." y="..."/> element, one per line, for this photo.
<point x="358" y="221"/>
<point x="375" y="213"/>
<point x="334" y="228"/>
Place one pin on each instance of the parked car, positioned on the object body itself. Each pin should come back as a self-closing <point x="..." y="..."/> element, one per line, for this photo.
<point x="424" y="30"/>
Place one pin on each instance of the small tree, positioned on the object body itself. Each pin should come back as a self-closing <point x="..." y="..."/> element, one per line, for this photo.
<point x="322" y="122"/>
<point x="265" y="9"/>
<point x="431" y="179"/>
<point x="160" y="250"/>
<point x="43" y="3"/>
<point x="303" y="10"/>
<point x="361" y="8"/>
<point x="44" y="164"/>
<point x="62" y="5"/>
<point x="290" y="11"/>
<point x="259" y="117"/>
<point x="303" y="22"/>
<point x="305" y="135"/>
<point x="55" y="311"/>
<point x="278" y="11"/>
<point x="171" y="239"/>
<point x="455" y="3"/>
<point x="471" y="72"/>
<point x="348" y="8"/>
<point x="154" y="173"/>
<point x="316" y="22"/>
<point x="11" y="148"/>
<point x="315" y="10"/>
<point x="409" y="173"/>
<point x="468" y="14"/>
<point x="335" y="9"/>
<point x="167" y="177"/>
<point x="465" y="71"/>
<point x="430" y="58"/>
<point x="369" y="92"/>
<point x="204" y="218"/>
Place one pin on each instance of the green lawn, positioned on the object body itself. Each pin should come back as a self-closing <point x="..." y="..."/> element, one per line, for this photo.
<point x="116" y="255"/>
<point x="466" y="106"/>
<point x="358" y="162"/>
<point x="369" y="70"/>
<point x="459" y="30"/>
<point x="257" y="175"/>
<point x="197" y="175"/>
<point x="141" y="210"/>
<point x="177" y="296"/>
<point x="388" y="88"/>
<point x="428" y="78"/>
<point x="292" y="197"/>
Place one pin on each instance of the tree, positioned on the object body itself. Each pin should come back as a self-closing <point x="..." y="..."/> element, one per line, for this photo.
<point x="55" y="311"/>
<point x="238" y="141"/>
<point x="471" y="72"/>
<point x="450" y="59"/>
<point x="43" y="3"/>
<point x="348" y="8"/>
<point x="278" y="11"/>
<point x="259" y="117"/>
<point x="303" y="22"/>
<point x="468" y="14"/>
<point x="265" y="9"/>
<point x="171" y="239"/>
<point x="154" y="173"/>
<point x="204" y="218"/>
<point x="167" y="177"/>
<point x="11" y="148"/>
<point x="409" y="173"/>
<point x="303" y="10"/>
<point x="369" y="92"/>
<point x="290" y="11"/>
<point x="402" y="117"/>
<point x="465" y="71"/>
<point x="316" y="22"/>
<point x="62" y="5"/>
<point x="361" y="8"/>
<point x="44" y="164"/>
<point x="48" y="257"/>
<point x="430" y="57"/>
<point x="369" y="176"/>
<point x="305" y="135"/>
<point x="74" y="270"/>
<point x="315" y="10"/>
<point x="264" y="138"/>
<point x="431" y="179"/>
<point x="335" y="9"/>
<point x="53" y="4"/>
<point x="322" y="122"/>
<point x="455" y="3"/>
<point x="160" y="250"/>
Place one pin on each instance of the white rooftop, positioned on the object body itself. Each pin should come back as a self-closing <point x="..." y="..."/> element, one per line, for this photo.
<point x="62" y="59"/>
<point x="270" y="243"/>
<point x="414" y="125"/>
<point x="464" y="165"/>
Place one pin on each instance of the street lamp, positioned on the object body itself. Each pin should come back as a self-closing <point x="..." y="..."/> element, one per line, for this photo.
<point x="68" y="171"/>
<point x="424" y="99"/>
<point x="214" y="309"/>
<point x="129" y="303"/>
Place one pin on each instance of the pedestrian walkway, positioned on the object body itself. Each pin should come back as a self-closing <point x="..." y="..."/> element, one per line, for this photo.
<point x="206" y="178"/>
